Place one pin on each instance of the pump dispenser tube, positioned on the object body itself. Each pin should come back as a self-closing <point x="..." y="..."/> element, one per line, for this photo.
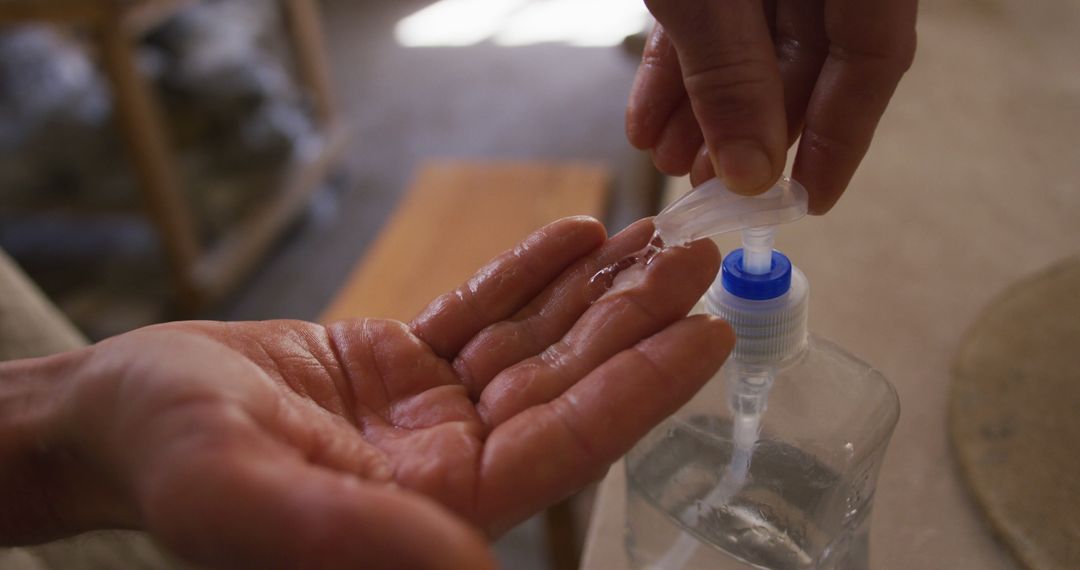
<point x="757" y="245"/>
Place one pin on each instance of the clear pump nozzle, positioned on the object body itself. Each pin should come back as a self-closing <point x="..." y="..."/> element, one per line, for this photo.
<point x="759" y="291"/>
<point x="712" y="209"/>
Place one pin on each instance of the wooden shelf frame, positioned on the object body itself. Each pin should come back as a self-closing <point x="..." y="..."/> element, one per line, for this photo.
<point x="199" y="275"/>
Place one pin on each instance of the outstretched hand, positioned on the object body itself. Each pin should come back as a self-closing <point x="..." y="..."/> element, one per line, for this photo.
<point x="373" y="442"/>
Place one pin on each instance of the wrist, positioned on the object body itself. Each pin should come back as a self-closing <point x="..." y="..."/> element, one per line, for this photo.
<point x="52" y="483"/>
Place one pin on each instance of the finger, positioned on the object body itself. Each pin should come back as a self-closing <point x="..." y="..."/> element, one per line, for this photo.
<point x="506" y="283"/>
<point x="733" y="81"/>
<point x="228" y="506"/>
<point x="547" y="452"/>
<point x="678" y="143"/>
<point x="702" y="168"/>
<point x="801" y="47"/>
<point x="648" y="299"/>
<point x="547" y="318"/>
<point x="657" y="91"/>
<point x="872" y="44"/>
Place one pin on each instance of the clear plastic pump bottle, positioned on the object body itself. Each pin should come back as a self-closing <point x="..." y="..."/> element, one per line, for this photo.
<point x="773" y="463"/>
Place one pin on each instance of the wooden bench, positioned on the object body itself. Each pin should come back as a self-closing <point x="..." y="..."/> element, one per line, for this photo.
<point x="454" y="218"/>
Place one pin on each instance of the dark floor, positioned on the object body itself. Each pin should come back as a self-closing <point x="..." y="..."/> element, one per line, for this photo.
<point x="405" y="105"/>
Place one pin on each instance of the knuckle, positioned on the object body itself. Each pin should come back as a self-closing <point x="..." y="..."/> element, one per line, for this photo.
<point x="895" y="53"/>
<point x="567" y="415"/>
<point x="648" y="367"/>
<point x="793" y="49"/>
<point x="729" y="88"/>
<point x="387" y="328"/>
<point x="463" y="370"/>
<point x="531" y="333"/>
<point x="832" y="147"/>
<point x="467" y="297"/>
<point x="528" y="263"/>
<point x="672" y="162"/>
<point x="658" y="50"/>
<point x="644" y="307"/>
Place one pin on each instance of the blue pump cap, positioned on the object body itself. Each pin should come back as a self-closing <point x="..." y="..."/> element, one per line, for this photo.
<point x="756" y="287"/>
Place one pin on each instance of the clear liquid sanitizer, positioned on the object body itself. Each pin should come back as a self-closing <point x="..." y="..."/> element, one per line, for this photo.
<point x="773" y="463"/>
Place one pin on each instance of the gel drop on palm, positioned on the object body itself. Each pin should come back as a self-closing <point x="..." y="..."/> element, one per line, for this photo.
<point x="773" y="463"/>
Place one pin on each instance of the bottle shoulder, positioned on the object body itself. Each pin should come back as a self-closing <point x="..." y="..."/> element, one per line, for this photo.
<point x="828" y="367"/>
<point x="825" y="398"/>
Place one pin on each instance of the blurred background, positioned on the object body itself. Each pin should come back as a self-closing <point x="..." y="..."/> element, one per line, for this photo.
<point x="243" y="122"/>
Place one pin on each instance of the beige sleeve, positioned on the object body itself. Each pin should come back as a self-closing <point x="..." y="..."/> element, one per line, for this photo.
<point x="29" y="324"/>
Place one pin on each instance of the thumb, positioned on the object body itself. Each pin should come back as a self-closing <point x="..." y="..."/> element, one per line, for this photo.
<point x="733" y="80"/>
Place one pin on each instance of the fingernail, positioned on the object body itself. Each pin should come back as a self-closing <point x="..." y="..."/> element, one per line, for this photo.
<point x="702" y="169"/>
<point x="717" y="321"/>
<point x="744" y="167"/>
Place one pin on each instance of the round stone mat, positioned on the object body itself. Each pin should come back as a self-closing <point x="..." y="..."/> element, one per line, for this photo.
<point x="1015" y="416"/>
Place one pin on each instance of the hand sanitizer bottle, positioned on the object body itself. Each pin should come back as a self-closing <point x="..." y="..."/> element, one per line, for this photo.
<point x="773" y="463"/>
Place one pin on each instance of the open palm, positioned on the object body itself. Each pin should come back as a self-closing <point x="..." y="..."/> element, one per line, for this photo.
<point x="289" y="444"/>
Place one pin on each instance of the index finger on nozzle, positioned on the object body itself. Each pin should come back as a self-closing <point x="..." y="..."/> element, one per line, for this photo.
<point x="733" y="80"/>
